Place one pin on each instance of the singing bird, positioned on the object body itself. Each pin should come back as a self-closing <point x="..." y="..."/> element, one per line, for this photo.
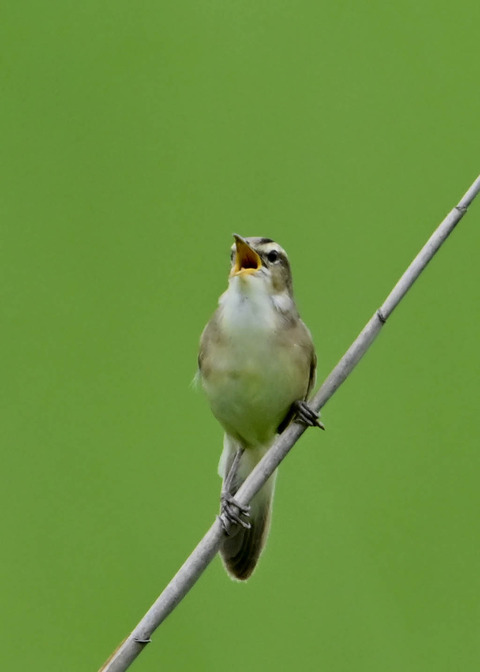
<point x="257" y="366"/>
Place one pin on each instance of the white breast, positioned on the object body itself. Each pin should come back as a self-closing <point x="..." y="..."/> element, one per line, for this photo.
<point x="253" y="379"/>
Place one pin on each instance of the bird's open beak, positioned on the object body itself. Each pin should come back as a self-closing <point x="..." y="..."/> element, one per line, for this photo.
<point x="247" y="260"/>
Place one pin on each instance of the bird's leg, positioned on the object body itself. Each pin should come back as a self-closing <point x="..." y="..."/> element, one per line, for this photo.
<point x="230" y="510"/>
<point x="306" y="415"/>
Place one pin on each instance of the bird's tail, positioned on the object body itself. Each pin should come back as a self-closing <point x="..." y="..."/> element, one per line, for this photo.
<point x="240" y="553"/>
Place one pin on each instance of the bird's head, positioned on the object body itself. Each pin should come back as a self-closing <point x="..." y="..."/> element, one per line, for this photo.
<point x="261" y="260"/>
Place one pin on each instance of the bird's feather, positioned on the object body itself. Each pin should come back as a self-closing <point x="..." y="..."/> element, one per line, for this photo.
<point x="240" y="553"/>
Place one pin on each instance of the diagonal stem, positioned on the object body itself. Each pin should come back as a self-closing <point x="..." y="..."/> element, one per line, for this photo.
<point x="206" y="550"/>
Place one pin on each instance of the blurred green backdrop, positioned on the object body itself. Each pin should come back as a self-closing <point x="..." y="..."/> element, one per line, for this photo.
<point x="136" y="137"/>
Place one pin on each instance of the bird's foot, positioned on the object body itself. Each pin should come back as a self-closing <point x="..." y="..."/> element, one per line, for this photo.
<point x="306" y="415"/>
<point x="231" y="513"/>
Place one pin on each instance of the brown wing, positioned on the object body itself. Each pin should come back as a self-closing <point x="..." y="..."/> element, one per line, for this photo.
<point x="313" y="374"/>
<point x="208" y="340"/>
<point x="303" y="338"/>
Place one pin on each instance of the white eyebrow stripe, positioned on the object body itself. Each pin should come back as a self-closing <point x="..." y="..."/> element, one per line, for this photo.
<point x="270" y="247"/>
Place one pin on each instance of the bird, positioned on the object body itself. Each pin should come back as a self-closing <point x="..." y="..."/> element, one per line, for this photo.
<point x="257" y="366"/>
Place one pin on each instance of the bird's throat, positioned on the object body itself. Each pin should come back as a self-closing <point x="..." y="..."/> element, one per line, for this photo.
<point x="247" y="306"/>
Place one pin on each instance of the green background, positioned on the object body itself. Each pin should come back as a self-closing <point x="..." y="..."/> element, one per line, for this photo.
<point x="136" y="137"/>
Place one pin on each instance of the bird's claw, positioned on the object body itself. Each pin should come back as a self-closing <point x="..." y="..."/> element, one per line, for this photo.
<point x="231" y="513"/>
<point x="306" y="415"/>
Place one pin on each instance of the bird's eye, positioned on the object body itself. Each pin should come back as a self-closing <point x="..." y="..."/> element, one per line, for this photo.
<point x="272" y="256"/>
